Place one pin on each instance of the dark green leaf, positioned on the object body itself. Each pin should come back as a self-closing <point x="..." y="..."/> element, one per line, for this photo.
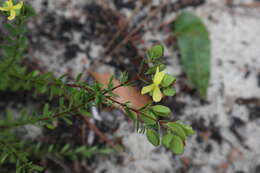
<point x="67" y="120"/>
<point x="79" y="76"/>
<point x="106" y="151"/>
<point x="80" y="149"/>
<point x="65" y="148"/>
<point x="46" y="109"/>
<point x="153" y="137"/>
<point x="37" y="168"/>
<point x="194" y="45"/>
<point x="123" y="77"/>
<point x="4" y="157"/>
<point x="85" y="113"/>
<point x="28" y="10"/>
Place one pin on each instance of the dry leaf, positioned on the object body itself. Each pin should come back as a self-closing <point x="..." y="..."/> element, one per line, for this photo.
<point x="233" y="156"/>
<point x="186" y="161"/>
<point x="125" y="94"/>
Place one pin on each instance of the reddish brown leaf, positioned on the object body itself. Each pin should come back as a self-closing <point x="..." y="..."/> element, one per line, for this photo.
<point x="125" y="94"/>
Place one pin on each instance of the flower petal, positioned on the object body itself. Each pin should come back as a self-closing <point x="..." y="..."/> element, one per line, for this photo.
<point x="9" y="3"/>
<point x="12" y="15"/>
<point x="147" y="89"/>
<point x="18" y="6"/>
<point x="158" y="76"/>
<point x="3" y="9"/>
<point x="157" y="95"/>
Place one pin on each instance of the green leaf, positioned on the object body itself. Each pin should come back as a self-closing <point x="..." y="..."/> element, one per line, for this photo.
<point x="51" y="147"/>
<point x="37" y="168"/>
<point x="35" y="73"/>
<point x="153" y="137"/>
<point x="176" y="145"/>
<point x="145" y="118"/>
<point x="80" y="149"/>
<point x="130" y="114"/>
<point x="152" y="70"/>
<point x="85" y="113"/>
<point x="123" y="77"/>
<point x="167" y="80"/>
<point x="171" y="91"/>
<point x="106" y="150"/>
<point x="110" y="84"/>
<point x="177" y="130"/>
<point x="28" y="10"/>
<point x="194" y="45"/>
<point x="4" y="157"/>
<point x="65" y="148"/>
<point x="79" y="76"/>
<point x="156" y="51"/>
<point x="46" y="109"/>
<point x="166" y="141"/>
<point x="50" y="126"/>
<point x="187" y="129"/>
<point x="9" y="27"/>
<point x="161" y="110"/>
<point x="67" y="120"/>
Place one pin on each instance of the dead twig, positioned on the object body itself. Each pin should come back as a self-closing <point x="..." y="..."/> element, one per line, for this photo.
<point x="122" y="27"/>
<point x="135" y="30"/>
<point x="101" y="135"/>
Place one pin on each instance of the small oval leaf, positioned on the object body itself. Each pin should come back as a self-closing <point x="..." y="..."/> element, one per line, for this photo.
<point x="166" y="141"/>
<point x="161" y="110"/>
<point x="167" y="80"/>
<point x="156" y="51"/>
<point x="153" y="137"/>
<point x="177" y="145"/>
<point x="177" y="130"/>
<point x="148" y="118"/>
<point x="187" y="129"/>
<point x="171" y="91"/>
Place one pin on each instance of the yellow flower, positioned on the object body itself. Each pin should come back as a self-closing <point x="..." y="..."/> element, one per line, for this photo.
<point x="154" y="87"/>
<point x="11" y="8"/>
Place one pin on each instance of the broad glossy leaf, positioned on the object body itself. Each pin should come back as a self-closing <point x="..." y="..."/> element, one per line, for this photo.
<point x="194" y="45"/>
